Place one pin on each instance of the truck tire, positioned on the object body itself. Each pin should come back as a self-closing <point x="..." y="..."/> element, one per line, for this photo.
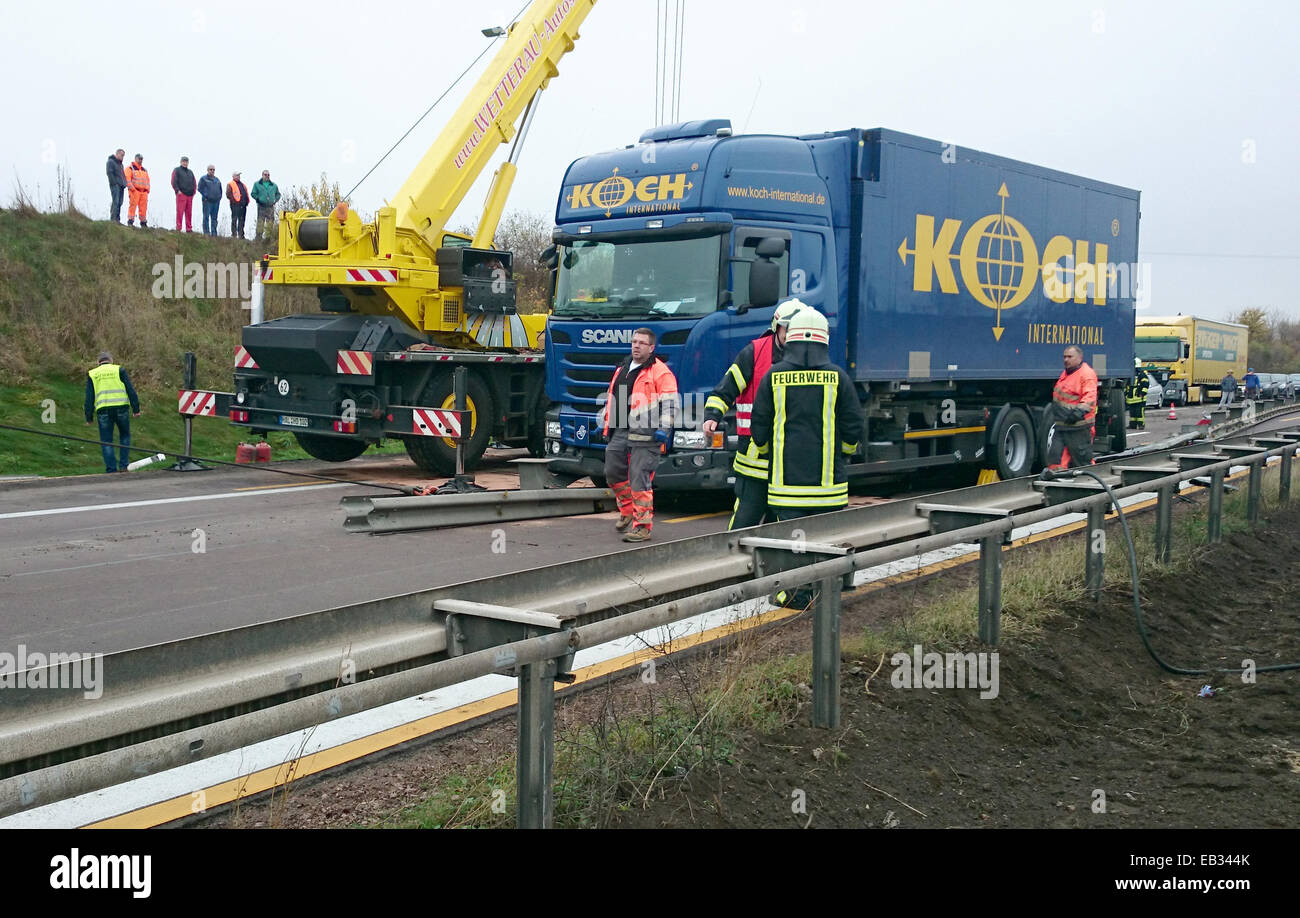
<point x="437" y="455"/>
<point x="330" y="449"/>
<point x="1013" y="443"/>
<point x="1118" y="417"/>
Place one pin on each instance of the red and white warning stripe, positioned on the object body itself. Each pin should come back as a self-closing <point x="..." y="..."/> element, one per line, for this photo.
<point x="356" y="363"/>
<point x="244" y="360"/>
<point x="203" y="404"/>
<point x="373" y="275"/>
<point x="269" y="273"/>
<point x="434" y="422"/>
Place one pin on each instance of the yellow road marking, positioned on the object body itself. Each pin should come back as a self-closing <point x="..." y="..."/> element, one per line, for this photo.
<point x="698" y="516"/>
<point x="296" y="484"/>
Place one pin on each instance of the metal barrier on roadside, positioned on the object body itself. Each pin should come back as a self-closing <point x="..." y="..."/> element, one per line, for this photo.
<point x="175" y="703"/>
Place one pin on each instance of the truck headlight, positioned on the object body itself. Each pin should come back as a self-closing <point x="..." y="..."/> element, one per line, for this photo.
<point x="689" y="439"/>
<point x="553" y="429"/>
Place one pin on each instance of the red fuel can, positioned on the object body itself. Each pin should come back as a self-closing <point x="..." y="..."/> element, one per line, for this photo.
<point x="245" y="452"/>
<point x="264" y="452"/>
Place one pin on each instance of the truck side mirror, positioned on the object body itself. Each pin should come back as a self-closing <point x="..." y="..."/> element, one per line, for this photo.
<point x="549" y="258"/>
<point x="1187" y="351"/>
<point x="764" y="283"/>
<point x="770" y="247"/>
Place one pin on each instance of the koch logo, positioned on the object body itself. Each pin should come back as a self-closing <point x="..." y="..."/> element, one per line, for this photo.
<point x="607" y="336"/>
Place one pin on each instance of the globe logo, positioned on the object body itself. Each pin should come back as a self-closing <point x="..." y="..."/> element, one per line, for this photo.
<point x="999" y="260"/>
<point x="612" y="192"/>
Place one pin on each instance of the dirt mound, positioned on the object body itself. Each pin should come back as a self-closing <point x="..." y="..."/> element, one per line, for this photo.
<point x="1085" y="730"/>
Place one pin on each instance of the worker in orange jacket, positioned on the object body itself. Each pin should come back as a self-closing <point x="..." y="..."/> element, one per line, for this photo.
<point x="1074" y="413"/>
<point x="640" y="410"/>
<point x="137" y="186"/>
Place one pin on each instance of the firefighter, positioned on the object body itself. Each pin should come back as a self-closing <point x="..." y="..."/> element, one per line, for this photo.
<point x="807" y="421"/>
<point x="1136" y="397"/>
<point x="738" y="387"/>
<point x="137" y="186"/>
<point x="641" y="409"/>
<point x="1074" y="411"/>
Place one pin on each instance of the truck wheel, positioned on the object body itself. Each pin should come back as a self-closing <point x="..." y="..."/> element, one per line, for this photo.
<point x="437" y="455"/>
<point x="330" y="449"/>
<point x="1118" y="417"/>
<point x="1014" y="448"/>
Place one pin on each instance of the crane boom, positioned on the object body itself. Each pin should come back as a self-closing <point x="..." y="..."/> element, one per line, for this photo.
<point x="392" y="266"/>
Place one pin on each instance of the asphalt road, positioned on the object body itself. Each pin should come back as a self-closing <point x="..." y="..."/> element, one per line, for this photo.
<point x="110" y="562"/>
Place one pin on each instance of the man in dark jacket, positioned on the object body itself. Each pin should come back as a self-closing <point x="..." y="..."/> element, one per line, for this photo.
<point x="108" y="393"/>
<point x="265" y="193"/>
<point x="184" y="185"/>
<point x="210" y="193"/>
<point x="237" y="195"/>
<point x="807" y="421"/>
<point x="116" y="185"/>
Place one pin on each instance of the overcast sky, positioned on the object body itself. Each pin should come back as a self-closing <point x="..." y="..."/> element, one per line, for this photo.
<point x="1195" y="104"/>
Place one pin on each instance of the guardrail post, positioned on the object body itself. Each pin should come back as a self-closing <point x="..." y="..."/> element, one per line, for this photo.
<point x="1095" y="559"/>
<point x="1284" y="484"/>
<point x="826" y="655"/>
<point x="1254" y="491"/>
<point x="1165" y="524"/>
<point x="536" y="762"/>
<point x="990" y="611"/>
<point x="1214" y="526"/>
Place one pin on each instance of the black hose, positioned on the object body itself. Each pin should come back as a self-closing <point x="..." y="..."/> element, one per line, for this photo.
<point x="403" y="489"/>
<point x="1137" y="601"/>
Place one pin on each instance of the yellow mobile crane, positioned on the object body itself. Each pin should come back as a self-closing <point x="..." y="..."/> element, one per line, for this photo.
<point x="404" y="302"/>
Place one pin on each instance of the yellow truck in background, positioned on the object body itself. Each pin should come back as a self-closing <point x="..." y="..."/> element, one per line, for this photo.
<point x="1190" y="355"/>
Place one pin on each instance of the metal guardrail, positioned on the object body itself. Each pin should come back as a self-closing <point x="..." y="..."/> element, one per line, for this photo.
<point x="398" y="514"/>
<point x="174" y="703"/>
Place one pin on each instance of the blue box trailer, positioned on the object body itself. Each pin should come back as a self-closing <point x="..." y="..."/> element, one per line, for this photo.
<point x="951" y="280"/>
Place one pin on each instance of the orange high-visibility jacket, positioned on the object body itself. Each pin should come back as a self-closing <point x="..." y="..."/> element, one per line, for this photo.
<point x="653" y="390"/>
<point x="137" y="177"/>
<point x="235" y="195"/>
<point x="1078" y="389"/>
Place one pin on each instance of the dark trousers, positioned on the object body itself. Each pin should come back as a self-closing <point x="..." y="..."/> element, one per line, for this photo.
<point x="1137" y="415"/>
<point x="115" y="207"/>
<point x="751" y="502"/>
<point x="265" y="217"/>
<point x="210" y="209"/>
<point x="119" y="417"/>
<point x="237" y="214"/>
<point x="1078" y="440"/>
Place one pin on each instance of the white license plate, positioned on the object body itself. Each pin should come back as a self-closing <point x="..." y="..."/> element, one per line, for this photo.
<point x="288" y="420"/>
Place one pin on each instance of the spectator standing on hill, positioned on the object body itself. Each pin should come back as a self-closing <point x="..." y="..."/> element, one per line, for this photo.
<point x="116" y="185"/>
<point x="237" y="195"/>
<point x="109" y="393"/>
<point x="266" y="194"/>
<point x="137" y="184"/>
<point x="210" y="192"/>
<point x="184" y="186"/>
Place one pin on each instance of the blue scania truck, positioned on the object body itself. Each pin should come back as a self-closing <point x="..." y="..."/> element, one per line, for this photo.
<point x="952" y="280"/>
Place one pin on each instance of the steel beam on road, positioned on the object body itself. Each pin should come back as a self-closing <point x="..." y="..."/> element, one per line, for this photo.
<point x="990" y="592"/>
<point x="1214" y="525"/>
<point x="399" y="514"/>
<point x="826" y="655"/>
<point x="1254" y="491"/>
<point x="1095" y="552"/>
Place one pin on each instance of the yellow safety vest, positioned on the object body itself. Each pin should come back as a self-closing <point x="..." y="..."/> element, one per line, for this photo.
<point x="109" y="389"/>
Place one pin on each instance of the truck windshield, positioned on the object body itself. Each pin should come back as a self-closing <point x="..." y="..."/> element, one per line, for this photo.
<point x="659" y="278"/>
<point x="1157" y="350"/>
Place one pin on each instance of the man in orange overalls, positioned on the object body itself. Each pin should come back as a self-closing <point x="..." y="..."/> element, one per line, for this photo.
<point x="1074" y="411"/>
<point x="137" y="186"/>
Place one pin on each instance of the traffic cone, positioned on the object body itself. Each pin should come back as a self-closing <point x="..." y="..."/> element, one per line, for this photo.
<point x="1173" y="415"/>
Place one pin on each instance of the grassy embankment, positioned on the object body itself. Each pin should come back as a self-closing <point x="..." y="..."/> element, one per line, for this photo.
<point x="629" y="756"/>
<point x="71" y="287"/>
